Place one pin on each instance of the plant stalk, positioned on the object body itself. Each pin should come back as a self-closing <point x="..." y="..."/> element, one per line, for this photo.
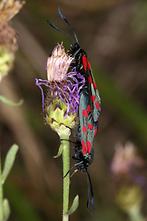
<point x="66" y="179"/>
<point x="1" y="194"/>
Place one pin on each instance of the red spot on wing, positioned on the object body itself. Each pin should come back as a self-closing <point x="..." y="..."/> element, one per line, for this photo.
<point x="90" y="126"/>
<point x="95" y="132"/>
<point x="90" y="79"/>
<point x="84" y="62"/>
<point x="94" y="85"/>
<point x="88" y="144"/>
<point x="84" y="148"/>
<point x="85" y="113"/>
<point x="93" y="98"/>
<point x="84" y="129"/>
<point x="88" y="108"/>
<point x="97" y="105"/>
<point x="89" y="66"/>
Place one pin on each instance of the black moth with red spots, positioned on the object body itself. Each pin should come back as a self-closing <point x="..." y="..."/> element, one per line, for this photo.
<point x="89" y="111"/>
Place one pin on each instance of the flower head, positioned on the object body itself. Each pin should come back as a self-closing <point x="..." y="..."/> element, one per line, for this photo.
<point x="8" y="42"/>
<point x="8" y="9"/>
<point x="63" y="89"/>
<point x="127" y="168"/>
<point x="58" y="64"/>
<point x="125" y="159"/>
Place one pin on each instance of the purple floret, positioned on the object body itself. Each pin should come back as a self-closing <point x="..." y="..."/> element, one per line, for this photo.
<point x="68" y="90"/>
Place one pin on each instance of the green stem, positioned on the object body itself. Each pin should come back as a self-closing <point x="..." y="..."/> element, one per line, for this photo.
<point x="1" y="195"/>
<point x="66" y="180"/>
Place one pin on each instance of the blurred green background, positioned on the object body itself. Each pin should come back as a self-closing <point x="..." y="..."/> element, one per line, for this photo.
<point x="114" y="34"/>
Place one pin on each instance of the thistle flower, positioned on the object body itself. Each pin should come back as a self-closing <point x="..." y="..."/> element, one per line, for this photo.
<point x="8" y="9"/>
<point x="126" y="167"/>
<point x="63" y="84"/>
<point x="8" y="42"/>
<point x="125" y="159"/>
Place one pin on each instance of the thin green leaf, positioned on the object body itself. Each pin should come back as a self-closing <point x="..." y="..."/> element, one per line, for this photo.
<point x="74" y="206"/>
<point x="6" y="209"/>
<point x="9" y="161"/>
<point x="59" y="151"/>
<point x="9" y="102"/>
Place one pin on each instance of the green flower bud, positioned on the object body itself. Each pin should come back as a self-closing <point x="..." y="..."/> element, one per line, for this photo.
<point x="57" y="118"/>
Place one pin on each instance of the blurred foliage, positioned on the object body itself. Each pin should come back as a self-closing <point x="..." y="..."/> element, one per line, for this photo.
<point x="21" y="206"/>
<point x="4" y="172"/>
<point x="120" y="104"/>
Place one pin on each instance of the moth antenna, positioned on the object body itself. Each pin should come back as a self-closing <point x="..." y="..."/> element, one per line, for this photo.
<point x="52" y="25"/>
<point x="61" y="15"/>
<point x="68" y="23"/>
